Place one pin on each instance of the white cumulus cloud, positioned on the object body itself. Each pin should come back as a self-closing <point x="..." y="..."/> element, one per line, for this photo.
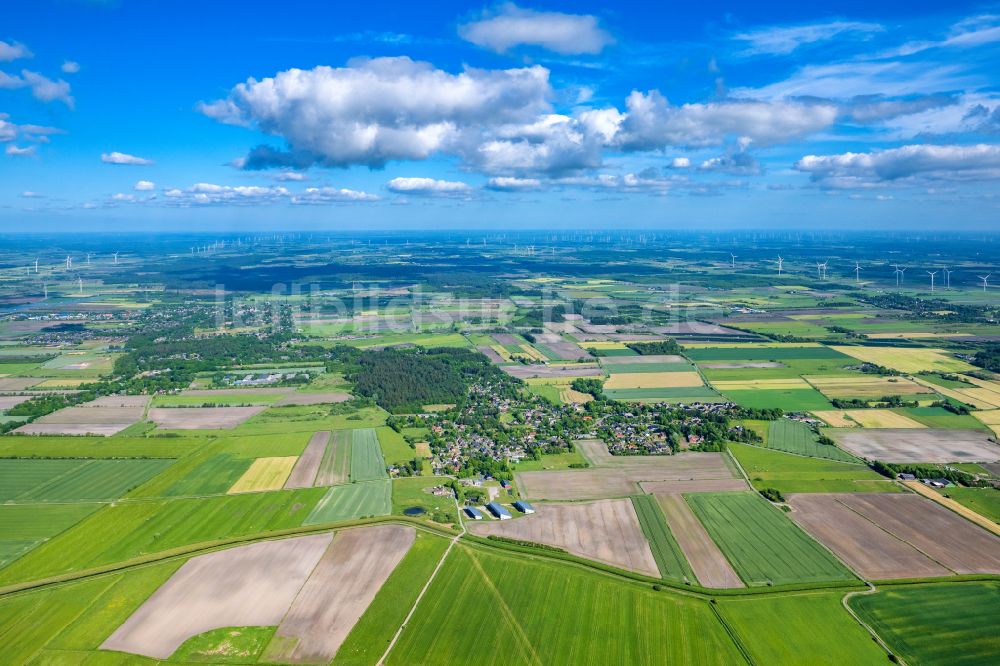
<point x="46" y="90"/>
<point x="18" y="151"/>
<point x="70" y="67"/>
<point x="918" y="161"/>
<point x="511" y="184"/>
<point x="124" y="158"/>
<point x="13" y="51"/>
<point x="374" y="111"/>
<point x="428" y="187"/>
<point x="568" y="34"/>
<point x="144" y="186"/>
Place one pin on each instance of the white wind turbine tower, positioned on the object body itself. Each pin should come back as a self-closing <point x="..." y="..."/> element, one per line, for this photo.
<point x="80" y="282"/>
<point x="46" y="288"/>
<point x="69" y="262"/>
<point x="732" y="259"/>
<point x="986" y="280"/>
<point x="88" y="258"/>
<point x="947" y="278"/>
<point x="116" y="258"/>
<point x="932" y="274"/>
<point x="36" y="266"/>
<point x="857" y="272"/>
<point x="780" y="263"/>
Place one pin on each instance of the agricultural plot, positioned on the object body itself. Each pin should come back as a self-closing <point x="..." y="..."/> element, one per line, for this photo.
<point x="307" y="466"/>
<point x="907" y="359"/>
<point x="24" y="526"/>
<point x="789" y="384"/>
<point x="666" y="551"/>
<point x="914" y="619"/>
<point x="553" y="371"/>
<point x="863" y="545"/>
<point x="395" y="449"/>
<point x="73" y="480"/>
<point x="619" y="476"/>
<point x="865" y="387"/>
<point x="795" y="437"/>
<point x="770" y="352"/>
<point x="790" y="400"/>
<point x="367" y="463"/>
<point x="125" y="530"/>
<point x="672" y="395"/>
<point x="709" y="565"/>
<point x="323" y="398"/>
<point x="797" y="474"/>
<point x="653" y="380"/>
<point x="265" y="474"/>
<point x="919" y="445"/>
<point x="763" y="546"/>
<point x="808" y="628"/>
<point x="338" y="592"/>
<point x="942" y="535"/>
<point x="14" y="384"/>
<point x="189" y="604"/>
<point x="356" y="500"/>
<point x="215" y="474"/>
<point x="335" y="466"/>
<point x="534" y="611"/>
<point x="85" y="420"/>
<point x="880" y="418"/>
<point x="201" y="418"/>
<point x="607" y="531"/>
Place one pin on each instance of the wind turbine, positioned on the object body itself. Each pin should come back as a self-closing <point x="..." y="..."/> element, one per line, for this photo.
<point x="947" y="278"/>
<point x="69" y="262"/>
<point x="36" y="266"/>
<point x="932" y="274"/>
<point x="46" y="288"/>
<point x="88" y="258"/>
<point x="116" y="258"/>
<point x="80" y="281"/>
<point x="780" y="262"/>
<point x="857" y="272"/>
<point x="821" y="269"/>
<point x="732" y="258"/>
<point x="985" y="279"/>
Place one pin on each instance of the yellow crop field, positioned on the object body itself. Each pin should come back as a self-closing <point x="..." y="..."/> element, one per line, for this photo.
<point x="916" y="335"/>
<point x="881" y="418"/>
<point x="907" y="359"/>
<point x="836" y="418"/>
<point x="602" y="344"/>
<point x="423" y="449"/>
<point x="990" y="418"/>
<point x="792" y="383"/>
<point x="569" y="395"/>
<point x="504" y="354"/>
<point x="264" y="474"/>
<point x="984" y="395"/>
<point x="955" y="395"/>
<point x="637" y="380"/>
<point x="62" y="383"/>
<point x="864" y="387"/>
<point x="534" y="353"/>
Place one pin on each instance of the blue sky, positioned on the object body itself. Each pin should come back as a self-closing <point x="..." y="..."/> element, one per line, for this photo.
<point x="144" y="115"/>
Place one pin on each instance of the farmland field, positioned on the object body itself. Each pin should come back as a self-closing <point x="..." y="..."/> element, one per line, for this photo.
<point x="790" y="400"/>
<point x="395" y="450"/>
<point x="367" y="463"/>
<point x="336" y="464"/>
<point x="762" y="544"/>
<point x="797" y="474"/>
<point x="265" y="474"/>
<point x="517" y="599"/>
<point x="795" y="437"/>
<point x="907" y="359"/>
<point x="371" y="498"/>
<point x="666" y="551"/>
<point x="130" y="529"/>
<point x="74" y="480"/>
<point x="913" y="620"/>
<point x="919" y="445"/>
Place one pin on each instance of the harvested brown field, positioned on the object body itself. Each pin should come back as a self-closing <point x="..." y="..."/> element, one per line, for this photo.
<point x="952" y="505"/>
<point x="552" y="371"/>
<point x="338" y="592"/>
<point x="861" y="544"/>
<point x="490" y="353"/>
<point x="119" y="401"/>
<point x="618" y="476"/>
<point x="245" y="586"/>
<point x="943" y="535"/>
<point x="697" y="328"/>
<point x="566" y="351"/>
<point x="642" y="360"/>
<point x="262" y="390"/>
<point x="696" y="486"/>
<point x="607" y="531"/>
<point x="637" y="380"/>
<point x="201" y="418"/>
<point x="307" y="466"/>
<point x="315" y="398"/>
<point x="507" y="339"/>
<point x="710" y="566"/>
<point x="85" y="420"/>
<point x="18" y="383"/>
<point x="919" y="445"/>
<point x="8" y="401"/>
<point x="872" y="387"/>
<point x="595" y="451"/>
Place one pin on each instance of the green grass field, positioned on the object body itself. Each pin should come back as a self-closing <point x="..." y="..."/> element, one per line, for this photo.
<point x="73" y="480"/>
<point x="794" y="437"/>
<point x="811" y="629"/>
<point x="948" y="624"/>
<point x="130" y="529"/>
<point x="395" y="450"/>
<point x="649" y="367"/>
<point x="367" y="463"/>
<point x="797" y="474"/>
<point x="371" y="635"/>
<point x="24" y="526"/>
<point x="487" y="608"/>
<point x="669" y="558"/>
<point x="413" y="492"/>
<point x="230" y="400"/>
<point x="687" y="394"/>
<point x="761" y="543"/>
<point x="763" y="353"/>
<point x="937" y="417"/>
<point x="984" y="501"/>
<point x="96" y="447"/>
<point x="371" y="498"/>
<point x="336" y="464"/>
<point x="790" y="400"/>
